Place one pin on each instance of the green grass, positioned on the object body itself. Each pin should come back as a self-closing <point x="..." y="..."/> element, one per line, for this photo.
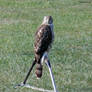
<point x="71" y="54"/>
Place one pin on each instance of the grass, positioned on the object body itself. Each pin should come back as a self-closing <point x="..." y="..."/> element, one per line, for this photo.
<point x="71" y="54"/>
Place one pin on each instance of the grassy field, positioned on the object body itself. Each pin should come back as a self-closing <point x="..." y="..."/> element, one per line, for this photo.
<point x="71" y="54"/>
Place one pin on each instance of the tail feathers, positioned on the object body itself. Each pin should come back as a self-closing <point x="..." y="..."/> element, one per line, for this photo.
<point x="39" y="70"/>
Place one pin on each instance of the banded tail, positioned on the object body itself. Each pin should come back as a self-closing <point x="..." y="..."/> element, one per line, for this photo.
<point x="39" y="69"/>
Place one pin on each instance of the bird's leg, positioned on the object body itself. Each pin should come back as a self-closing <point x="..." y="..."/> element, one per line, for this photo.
<point x="34" y="62"/>
<point x="51" y="74"/>
<point x="45" y="55"/>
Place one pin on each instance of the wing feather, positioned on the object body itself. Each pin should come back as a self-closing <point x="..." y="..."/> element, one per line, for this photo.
<point x="43" y="39"/>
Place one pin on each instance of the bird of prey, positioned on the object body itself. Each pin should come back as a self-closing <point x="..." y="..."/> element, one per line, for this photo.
<point x="43" y="41"/>
<point x="44" y="37"/>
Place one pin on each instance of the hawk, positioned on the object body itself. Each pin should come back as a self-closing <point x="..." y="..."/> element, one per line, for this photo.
<point x="43" y="41"/>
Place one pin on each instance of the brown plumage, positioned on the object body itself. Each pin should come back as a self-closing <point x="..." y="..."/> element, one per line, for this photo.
<point x="43" y="40"/>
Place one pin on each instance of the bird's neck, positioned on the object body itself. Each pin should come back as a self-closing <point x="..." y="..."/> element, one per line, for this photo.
<point x="51" y="25"/>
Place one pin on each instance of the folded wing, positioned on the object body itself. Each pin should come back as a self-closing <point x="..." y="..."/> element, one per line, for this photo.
<point x="43" y="39"/>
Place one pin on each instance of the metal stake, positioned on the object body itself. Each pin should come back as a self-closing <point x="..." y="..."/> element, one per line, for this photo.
<point x="34" y="62"/>
<point x="44" y="58"/>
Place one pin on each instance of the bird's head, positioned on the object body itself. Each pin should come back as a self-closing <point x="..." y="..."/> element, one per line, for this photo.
<point x="47" y="20"/>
